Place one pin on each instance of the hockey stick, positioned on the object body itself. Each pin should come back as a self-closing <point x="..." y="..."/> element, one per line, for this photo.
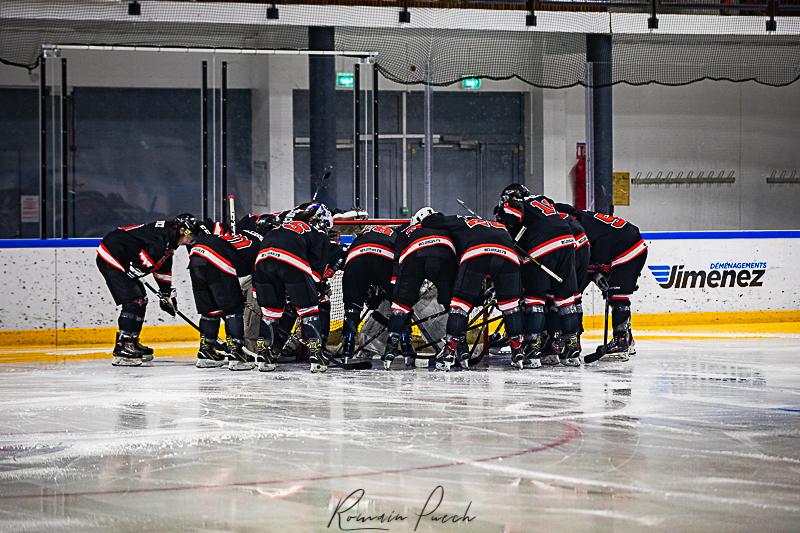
<point x="535" y="262"/>
<point x="599" y="352"/>
<point x="321" y="185"/>
<point x="517" y="246"/>
<point x="232" y="212"/>
<point x="413" y="323"/>
<point x="220" y="345"/>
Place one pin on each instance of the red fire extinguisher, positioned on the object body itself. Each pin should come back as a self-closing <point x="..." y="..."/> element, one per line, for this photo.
<point x="580" y="177"/>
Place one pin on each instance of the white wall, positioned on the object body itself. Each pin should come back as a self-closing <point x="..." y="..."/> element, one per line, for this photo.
<point x="746" y="128"/>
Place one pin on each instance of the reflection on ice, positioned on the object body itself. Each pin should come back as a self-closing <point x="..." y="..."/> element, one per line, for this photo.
<point x="687" y="436"/>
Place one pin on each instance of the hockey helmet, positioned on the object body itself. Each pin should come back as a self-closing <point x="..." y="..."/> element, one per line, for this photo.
<point x="422" y="214"/>
<point x="515" y="191"/>
<point x="186" y="223"/>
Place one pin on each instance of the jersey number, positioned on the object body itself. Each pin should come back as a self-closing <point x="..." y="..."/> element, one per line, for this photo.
<point x="297" y="226"/>
<point x="238" y="241"/>
<point x="545" y="207"/>
<point x="472" y="222"/>
<point x="614" y="222"/>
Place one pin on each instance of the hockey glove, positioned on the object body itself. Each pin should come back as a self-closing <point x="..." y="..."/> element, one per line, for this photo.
<point x="374" y="297"/>
<point x="602" y="282"/>
<point x="134" y="272"/>
<point x="168" y="301"/>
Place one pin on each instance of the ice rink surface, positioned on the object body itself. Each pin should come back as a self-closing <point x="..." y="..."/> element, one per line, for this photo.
<point x="690" y="435"/>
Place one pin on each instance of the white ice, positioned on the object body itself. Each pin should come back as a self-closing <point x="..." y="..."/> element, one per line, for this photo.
<point x="690" y="435"/>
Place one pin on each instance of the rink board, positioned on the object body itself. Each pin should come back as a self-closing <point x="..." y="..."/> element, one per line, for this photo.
<point x="54" y="294"/>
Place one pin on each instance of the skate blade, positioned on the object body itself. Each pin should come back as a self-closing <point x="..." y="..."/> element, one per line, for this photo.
<point x="240" y="365"/>
<point x="147" y="358"/>
<point x="387" y="364"/>
<point x="208" y="363"/>
<point x="571" y="361"/>
<point x="532" y="363"/>
<point x="316" y="367"/>
<point x="126" y="361"/>
<point x="517" y="364"/>
<point x="444" y="367"/>
<point x="266" y="367"/>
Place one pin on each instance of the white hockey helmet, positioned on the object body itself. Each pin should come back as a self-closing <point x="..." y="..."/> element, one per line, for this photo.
<point x="422" y="214"/>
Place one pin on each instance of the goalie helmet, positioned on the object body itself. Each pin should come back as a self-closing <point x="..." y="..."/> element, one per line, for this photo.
<point x="421" y="215"/>
<point x="515" y="191"/>
<point x="323" y="218"/>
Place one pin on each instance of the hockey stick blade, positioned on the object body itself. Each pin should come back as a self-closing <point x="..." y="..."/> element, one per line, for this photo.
<point x="363" y="364"/>
<point x="591" y="358"/>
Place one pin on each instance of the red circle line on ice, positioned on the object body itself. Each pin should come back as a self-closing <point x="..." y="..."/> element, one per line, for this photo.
<point x="571" y="433"/>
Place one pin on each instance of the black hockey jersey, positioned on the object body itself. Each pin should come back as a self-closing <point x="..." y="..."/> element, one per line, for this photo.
<point x="419" y="240"/>
<point x="378" y="241"/>
<point x="146" y="247"/>
<point x="545" y="230"/>
<point x="581" y="240"/>
<point x="614" y="241"/>
<point x="474" y="237"/>
<point x="234" y="254"/>
<point x="299" y="245"/>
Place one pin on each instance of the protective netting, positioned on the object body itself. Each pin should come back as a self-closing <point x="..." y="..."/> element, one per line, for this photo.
<point x="442" y="46"/>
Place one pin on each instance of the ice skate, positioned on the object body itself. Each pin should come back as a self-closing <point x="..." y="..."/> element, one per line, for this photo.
<point x="348" y="345"/>
<point x="392" y="350"/>
<point x="264" y="357"/>
<point x="447" y="357"/>
<point x="407" y="348"/>
<point x="619" y="349"/>
<point x="237" y="358"/>
<point x="518" y="353"/>
<point x="552" y="350"/>
<point x="125" y="351"/>
<point x="461" y="352"/>
<point x="147" y="352"/>
<point x="208" y="356"/>
<point x="316" y="357"/>
<point x="571" y="356"/>
<point x="532" y="349"/>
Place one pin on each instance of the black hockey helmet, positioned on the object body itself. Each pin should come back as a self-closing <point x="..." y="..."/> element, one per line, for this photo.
<point x="186" y="222"/>
<point x="515" y="191"/>
<point x="267" y="222"/>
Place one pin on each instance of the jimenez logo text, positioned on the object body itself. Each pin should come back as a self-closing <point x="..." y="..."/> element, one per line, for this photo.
<point x="718" y="275"/>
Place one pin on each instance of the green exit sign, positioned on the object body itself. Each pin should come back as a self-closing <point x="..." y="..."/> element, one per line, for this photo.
<point x="471" y="84"/>
<point x="345" y="80"/>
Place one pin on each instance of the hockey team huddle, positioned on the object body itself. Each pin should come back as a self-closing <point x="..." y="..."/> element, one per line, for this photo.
<point x="532" y="263"/>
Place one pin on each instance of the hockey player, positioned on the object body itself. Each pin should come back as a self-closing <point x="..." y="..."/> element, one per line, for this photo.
<point x="216" y="265"/>
<point x="554" y="343"/>
<point x="129" y="253"/>
<point x="547" y="239"/>
<point x="485" y="250"/>
<point x="618" y="253"/>
<point x="420" y="253"/>
<point x="367" y="271"/>
<point x="290" y="263"/>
